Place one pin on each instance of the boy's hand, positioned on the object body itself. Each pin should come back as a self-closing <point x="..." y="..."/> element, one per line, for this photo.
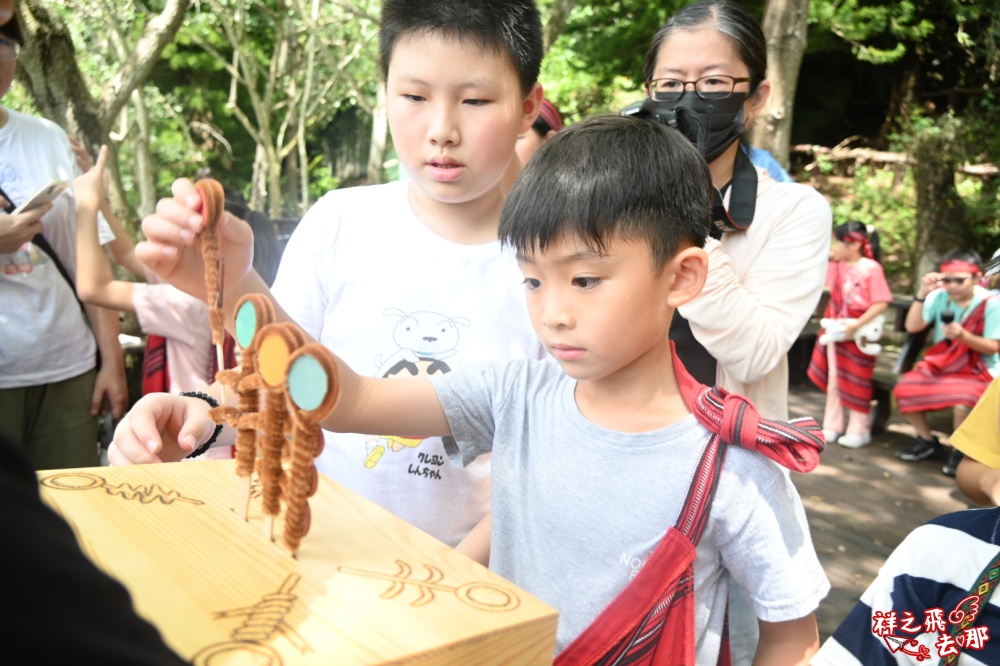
<point x="953" y="331"/>
<point x="173" y="251"/>
<point x="161" y="428"/>
<point x="90" y="189"/>
<point x="16" y="230"/>
<point x="929" y="283"/>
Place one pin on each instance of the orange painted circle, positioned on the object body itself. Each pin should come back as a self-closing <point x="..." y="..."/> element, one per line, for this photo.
<point x="273" y="359"/>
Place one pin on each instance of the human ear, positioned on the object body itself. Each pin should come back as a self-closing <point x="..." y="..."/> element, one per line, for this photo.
<point x="756" y="103"/>
<point x="690" y="269"/>
<point x="532" y="105"/>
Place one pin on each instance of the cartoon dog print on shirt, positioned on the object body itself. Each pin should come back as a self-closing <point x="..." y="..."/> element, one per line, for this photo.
<point x="424" y="339"/>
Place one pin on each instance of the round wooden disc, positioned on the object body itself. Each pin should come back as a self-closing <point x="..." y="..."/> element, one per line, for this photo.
<point x="274" y="350"/>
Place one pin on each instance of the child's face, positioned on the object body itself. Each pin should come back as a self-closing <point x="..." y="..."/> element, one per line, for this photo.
<point x="455" y="111"/>
<point x="959" y="285"/>
<point x="598" y="315"/>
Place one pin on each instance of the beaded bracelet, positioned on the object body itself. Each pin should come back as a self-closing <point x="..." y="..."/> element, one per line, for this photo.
<point x="218" y="428"/>
<point x="917" y="299"/>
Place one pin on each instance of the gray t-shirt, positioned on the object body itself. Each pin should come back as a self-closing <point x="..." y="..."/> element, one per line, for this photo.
<point x="577" y="508"/>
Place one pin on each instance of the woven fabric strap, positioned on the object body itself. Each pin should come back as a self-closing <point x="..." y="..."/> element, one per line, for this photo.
<point x="795" y="444"/>
<point x="977" y="598"/>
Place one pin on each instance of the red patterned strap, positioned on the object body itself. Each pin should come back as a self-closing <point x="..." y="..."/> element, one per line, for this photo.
<point x="698" y="504"/>
<point x="795" y="444"/>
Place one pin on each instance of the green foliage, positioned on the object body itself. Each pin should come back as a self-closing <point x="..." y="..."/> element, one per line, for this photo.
<point x="877" y="33"/>
<point x="886" y="199"/>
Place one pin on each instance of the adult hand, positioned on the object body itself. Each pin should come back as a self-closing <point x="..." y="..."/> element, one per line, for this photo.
<point x="16" y="230"/>
<point x="161" y="428"/>
<point x="83" y="159"/>
<point x="173" y="250"/>
<point x="110" y="388"/>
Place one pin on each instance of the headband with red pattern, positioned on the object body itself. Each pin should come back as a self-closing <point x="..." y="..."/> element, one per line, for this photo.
<point x="957" y="266"/>
<point x="550" y="115"/>
<point x="858" y="237"/>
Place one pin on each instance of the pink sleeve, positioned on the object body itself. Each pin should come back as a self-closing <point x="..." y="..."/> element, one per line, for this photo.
<point x="166" y="311"/>
<point x="878" y="287"/>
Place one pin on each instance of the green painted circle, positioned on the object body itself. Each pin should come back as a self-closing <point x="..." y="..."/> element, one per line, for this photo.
<point x="307" y="383"/>
<point x="246" y="324"/>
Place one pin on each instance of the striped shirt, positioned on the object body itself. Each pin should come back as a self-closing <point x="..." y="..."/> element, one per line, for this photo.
<point x="935" y="567"/>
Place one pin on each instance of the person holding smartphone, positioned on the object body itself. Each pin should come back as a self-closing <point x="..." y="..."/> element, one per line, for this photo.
<point x="51" y="389"/>
<point x="954" y="372"/>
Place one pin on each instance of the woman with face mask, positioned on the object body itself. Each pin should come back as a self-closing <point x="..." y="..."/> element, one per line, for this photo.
<point x="705" y="76"/>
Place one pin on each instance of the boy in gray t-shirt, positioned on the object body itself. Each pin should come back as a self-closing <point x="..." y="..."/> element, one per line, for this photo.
<point x="594" y="452"/>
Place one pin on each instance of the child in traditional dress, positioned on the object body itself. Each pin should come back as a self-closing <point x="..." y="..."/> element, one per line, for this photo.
<point x="957" y="369"/>
<point x="858" y="294"/>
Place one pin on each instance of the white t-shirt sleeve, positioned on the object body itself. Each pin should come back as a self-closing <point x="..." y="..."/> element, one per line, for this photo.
<point x="168" y="312"/>
<point x="771" y="554"/>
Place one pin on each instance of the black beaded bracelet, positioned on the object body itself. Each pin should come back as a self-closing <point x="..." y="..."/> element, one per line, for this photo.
<point x="218" y="428"/>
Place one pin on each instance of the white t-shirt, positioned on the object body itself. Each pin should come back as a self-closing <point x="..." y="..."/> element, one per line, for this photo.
<point x="365" y="277"/>
<point x="45" y="336"/>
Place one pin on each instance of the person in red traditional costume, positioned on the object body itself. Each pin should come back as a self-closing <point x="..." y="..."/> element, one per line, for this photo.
<point x="964" y="359"/>
<point x="858" y="294"/>
<point x="624" y="493"/>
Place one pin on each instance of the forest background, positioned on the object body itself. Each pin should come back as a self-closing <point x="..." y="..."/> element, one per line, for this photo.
<point x="886" y="106"/>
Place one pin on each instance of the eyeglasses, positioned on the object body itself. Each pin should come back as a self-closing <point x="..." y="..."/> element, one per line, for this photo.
<point x="955" y="280"/>
<point x="8" y="49"/>
<point x="717" y="86"/>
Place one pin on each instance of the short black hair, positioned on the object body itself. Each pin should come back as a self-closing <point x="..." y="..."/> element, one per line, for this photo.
<point x="510" y="27"/>
<point x="607" y="177"/>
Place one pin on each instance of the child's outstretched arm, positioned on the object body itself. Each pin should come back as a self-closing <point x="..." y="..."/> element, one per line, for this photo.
<point x="95" y="283"/>
<point x="787" y="643"/>
<point x="165" y="428"/>
<point x="122" y="248"/>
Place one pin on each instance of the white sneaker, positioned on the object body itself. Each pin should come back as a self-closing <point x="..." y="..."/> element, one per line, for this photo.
<point x="831" y="436"/>
<point x="855" y="441"/>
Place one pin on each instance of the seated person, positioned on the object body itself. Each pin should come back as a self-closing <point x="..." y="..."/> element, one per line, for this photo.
<point x="931" y="601"/>
<point x="958" y="368"/>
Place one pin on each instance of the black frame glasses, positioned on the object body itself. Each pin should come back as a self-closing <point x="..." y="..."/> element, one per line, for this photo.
<point x="955" y="280"/>
<point x="716" y="86"/>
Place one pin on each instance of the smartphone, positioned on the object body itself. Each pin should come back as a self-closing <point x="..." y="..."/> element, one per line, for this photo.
<point x="43" y="196"/>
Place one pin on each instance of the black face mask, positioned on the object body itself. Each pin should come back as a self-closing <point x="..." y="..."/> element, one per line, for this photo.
<point x="711" y="125"/>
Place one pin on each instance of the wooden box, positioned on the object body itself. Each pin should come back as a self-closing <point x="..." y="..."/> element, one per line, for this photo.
<point x="365" y="587"/>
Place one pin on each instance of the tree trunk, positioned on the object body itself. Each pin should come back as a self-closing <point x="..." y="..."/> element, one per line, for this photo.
<point x="48" y="69"/>
<point x="558" y="14"/>
<point x="785" y="30"/>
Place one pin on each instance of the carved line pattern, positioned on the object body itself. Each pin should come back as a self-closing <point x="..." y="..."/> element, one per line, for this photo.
<point x="144" y="494"/>
<point x="482" y="596"/>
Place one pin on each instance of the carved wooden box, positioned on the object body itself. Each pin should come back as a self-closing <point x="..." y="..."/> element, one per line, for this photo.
<point x="365" y="588"/>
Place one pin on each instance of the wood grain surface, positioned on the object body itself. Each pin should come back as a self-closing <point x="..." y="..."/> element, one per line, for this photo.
<point x="365" y="588"/>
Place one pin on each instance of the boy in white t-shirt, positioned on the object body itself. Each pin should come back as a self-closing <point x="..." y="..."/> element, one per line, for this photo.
<point x="402" y="279"/>
<point x="593" y="454"/>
